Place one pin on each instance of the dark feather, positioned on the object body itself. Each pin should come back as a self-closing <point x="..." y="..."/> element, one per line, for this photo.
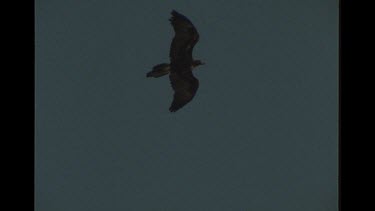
<point x="159" y="70"/>
<point x="185" y="87"/>
<point x="183" y="82"/>
<point x="186" y="36"/>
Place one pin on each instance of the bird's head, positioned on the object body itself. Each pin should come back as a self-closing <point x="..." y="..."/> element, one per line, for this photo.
<point x="197" y="63"/>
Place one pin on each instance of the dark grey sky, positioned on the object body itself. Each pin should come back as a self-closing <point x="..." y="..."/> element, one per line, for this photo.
<point x="261" y="133"/>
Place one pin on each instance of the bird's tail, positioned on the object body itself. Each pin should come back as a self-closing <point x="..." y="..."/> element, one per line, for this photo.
<point x="159" y="70"/>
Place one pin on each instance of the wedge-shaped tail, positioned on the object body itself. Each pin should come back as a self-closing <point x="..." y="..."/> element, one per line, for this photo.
<point x="159" y="70"/>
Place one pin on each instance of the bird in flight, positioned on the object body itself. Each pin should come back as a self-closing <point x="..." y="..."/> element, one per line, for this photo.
<point x="181" y="65"/>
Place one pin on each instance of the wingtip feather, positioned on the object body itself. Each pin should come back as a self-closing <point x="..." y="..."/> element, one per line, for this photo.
<point x="173" y="108"/>
<point x="176" y="14"/>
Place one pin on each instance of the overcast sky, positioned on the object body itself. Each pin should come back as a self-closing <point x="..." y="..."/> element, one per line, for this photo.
<point x="260" y="135"/>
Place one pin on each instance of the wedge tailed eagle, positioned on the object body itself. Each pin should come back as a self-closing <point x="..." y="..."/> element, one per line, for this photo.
<point x="181" y="65"/>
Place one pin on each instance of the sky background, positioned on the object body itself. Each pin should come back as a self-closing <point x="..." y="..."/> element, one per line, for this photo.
<point x="260" y="135"/>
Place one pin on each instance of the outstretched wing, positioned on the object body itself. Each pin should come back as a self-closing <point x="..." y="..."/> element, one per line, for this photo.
<point x="185" y="85"/>
<point x="183" y="82"/>
<point x="186" y="36"/>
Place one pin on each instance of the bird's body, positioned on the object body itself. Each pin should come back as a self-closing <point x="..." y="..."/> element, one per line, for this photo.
<point x="183" y="82"/>
<point x="165" y="68"/>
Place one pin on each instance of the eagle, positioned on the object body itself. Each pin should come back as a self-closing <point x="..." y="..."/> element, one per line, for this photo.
<point x="181" y="65"/>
